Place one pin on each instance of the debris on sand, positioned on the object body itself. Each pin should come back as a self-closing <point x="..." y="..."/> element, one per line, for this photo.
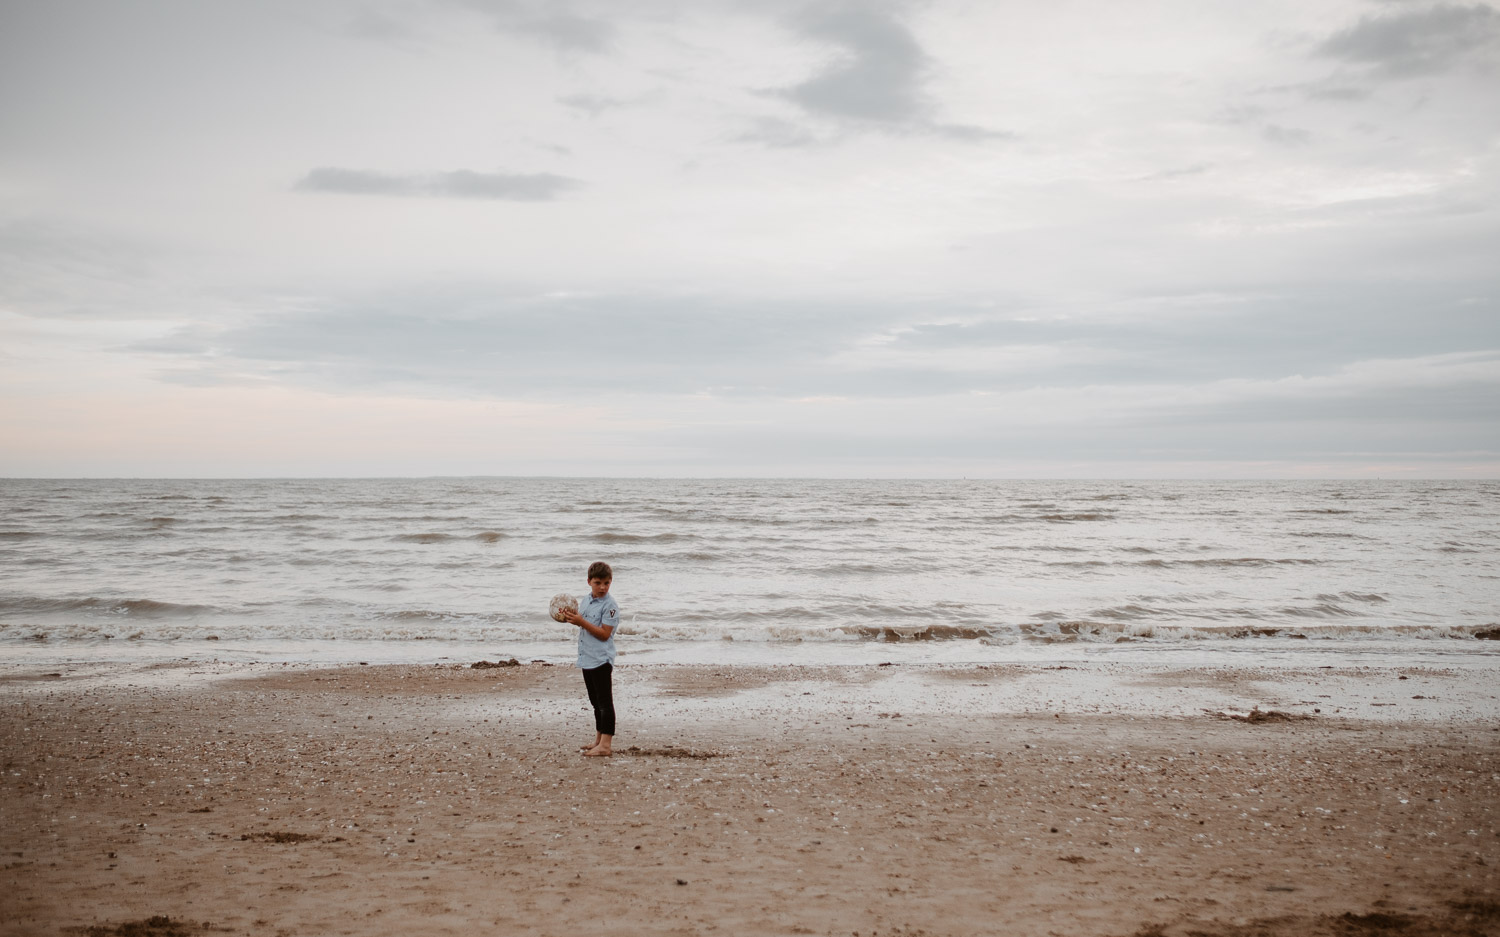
<point x="278" y="837"/>
<point x="1469" y="917"/>
<point x="670" y="752"/>
<point x="158" y="925"/>
<point x="1257" y="716"/>
<point x="487" y="664"/>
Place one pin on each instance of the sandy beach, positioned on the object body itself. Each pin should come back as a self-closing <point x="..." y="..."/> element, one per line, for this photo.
<point x="875" y="800"/>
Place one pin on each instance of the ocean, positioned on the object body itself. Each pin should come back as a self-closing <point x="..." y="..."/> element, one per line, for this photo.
<point x="754" y="570"/>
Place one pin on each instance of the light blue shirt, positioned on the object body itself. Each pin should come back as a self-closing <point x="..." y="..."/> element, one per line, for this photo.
<point x="605" y="613"/>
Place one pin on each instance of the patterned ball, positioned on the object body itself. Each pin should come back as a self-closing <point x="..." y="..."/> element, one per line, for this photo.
<point x="562" y="602"/>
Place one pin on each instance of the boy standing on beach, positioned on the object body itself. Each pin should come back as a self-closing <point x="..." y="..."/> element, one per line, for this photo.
<point x="596" y="619"/>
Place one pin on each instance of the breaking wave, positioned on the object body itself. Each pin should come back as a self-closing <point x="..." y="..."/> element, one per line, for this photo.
<point x="609" y="536"/>
<point x="13" y="605"/>
<point x="1246" y="562"/>
<point x="1266" y="565"/>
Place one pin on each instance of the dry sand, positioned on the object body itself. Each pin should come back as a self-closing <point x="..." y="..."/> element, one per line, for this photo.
<point x="898" y="800"/>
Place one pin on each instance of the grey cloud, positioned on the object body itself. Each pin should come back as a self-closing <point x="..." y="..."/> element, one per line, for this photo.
<point x="558" y="24"/>
<point x="1262" y="337"/>
<point x="571" y="33"/>
<point x="1419" y="42"/>
<point x="968" y="133"/>
<point x="557" y="149"/>
<point x="775" y="132"/>
<point x="1275" y="432"/>
<point x="198" y="377"/>
<point x="876" y="80"/>
<point x="591" y="104"/>
<point x="1337" y="93"/>
<point x="53" y="270"/>
<point x="1243" y="113"/>
<point x="879" y="76"/>
<point x="369" y="23"/>
<point x="1327" y="89"/>
<point x="510" y="344"/>
<point x="1286" y="136"/>
<point x="476" y="341"/>
<point x="1197" y="169"/>
<point x="462" y="184"/>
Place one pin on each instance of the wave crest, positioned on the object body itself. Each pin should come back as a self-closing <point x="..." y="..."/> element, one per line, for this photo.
<point x="134" y="607"/>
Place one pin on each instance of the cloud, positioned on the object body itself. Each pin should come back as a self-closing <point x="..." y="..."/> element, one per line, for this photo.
<point x="1286" y="136"/>
<point x="1419" y="42"/>
<point x="1197" y="169"/>
<point x="1422" y="408"/>
<point x="591" y="104"/>
<point x="461" y="184"/>
<point x="775" y="132"/>
<point x="57" y="271"/>
<point x="554" y="22"/>
<point x="878" y="77"/>
<point x="1332" y="88"/>
<point x="478" y="340"/>
<point x="1324" y="92"/>
<point x="1263" y="376"/>
<point x="969" y="133"/>
<point x="571" y="33"/>
<point x="1379" y="378"/>
<point x="368" y="23"/>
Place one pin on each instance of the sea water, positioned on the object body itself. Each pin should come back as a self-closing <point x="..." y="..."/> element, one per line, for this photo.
<point x="771" y="571"/>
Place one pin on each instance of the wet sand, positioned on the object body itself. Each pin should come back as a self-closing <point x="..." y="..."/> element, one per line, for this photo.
<point x="900" y="800"/>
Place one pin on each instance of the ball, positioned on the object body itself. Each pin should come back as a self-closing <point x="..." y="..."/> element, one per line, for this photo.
<point x="562" y="602"/>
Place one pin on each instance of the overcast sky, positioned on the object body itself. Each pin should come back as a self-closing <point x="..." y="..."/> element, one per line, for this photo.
<point x="712" y="237"/>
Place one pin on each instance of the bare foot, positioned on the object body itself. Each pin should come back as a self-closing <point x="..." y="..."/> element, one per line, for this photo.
<point x="598" y="751"/>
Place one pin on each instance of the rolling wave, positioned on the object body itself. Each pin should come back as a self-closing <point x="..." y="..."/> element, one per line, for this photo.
<point x="438" y="626"/>
<point x="890" y="562"/>
<point x="1229" y="563"/>
<point x="12" y="605"/>
<point x="1249" y="562"/>
<point x="610" y="536"/>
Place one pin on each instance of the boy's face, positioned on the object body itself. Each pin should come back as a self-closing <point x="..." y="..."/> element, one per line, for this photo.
<point x="600" y="587"/>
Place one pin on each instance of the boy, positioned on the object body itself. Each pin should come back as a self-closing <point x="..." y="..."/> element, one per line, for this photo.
<point x="596" y="619"/>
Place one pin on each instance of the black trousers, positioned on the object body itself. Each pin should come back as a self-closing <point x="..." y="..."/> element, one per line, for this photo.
<point x="601" y="697"/>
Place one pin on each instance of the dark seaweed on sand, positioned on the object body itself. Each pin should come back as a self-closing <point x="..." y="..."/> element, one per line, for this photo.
<point x="158" y="925"/>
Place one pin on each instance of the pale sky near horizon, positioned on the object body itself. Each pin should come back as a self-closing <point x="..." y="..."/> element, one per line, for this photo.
<point x="1162" y="238"/>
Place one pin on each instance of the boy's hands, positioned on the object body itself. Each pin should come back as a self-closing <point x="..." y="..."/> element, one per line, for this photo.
<point x="602" y="632"/>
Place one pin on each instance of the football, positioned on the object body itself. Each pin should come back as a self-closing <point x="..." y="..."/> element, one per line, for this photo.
<point x="562" y="602"/>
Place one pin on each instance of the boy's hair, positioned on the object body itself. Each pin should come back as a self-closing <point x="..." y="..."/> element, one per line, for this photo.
<point x="601" y="570"/>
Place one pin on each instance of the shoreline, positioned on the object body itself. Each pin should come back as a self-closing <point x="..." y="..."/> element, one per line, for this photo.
<point x="943" y="799"/>
<point x="1444" y="691"/>
<point x="1258" y="651"/>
